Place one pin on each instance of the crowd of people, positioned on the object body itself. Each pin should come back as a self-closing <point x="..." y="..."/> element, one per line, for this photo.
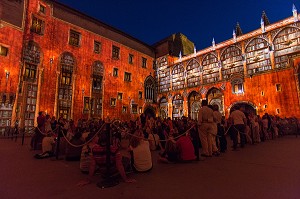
<point x="179" y="140"/>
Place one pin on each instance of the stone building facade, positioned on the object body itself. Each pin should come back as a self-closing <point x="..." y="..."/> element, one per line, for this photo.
<point x="258" y="70"/>
<point x="58" y="60"/>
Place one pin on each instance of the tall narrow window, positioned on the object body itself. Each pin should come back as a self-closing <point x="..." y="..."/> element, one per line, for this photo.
<point x="30" y="72"/>
<point x="237" y="86"/>
<point x="149" y="89"/>
<point x="115" y="72"/>
<point x="113" y="101"/>
<point x="115" y="52"/>
<point x="144" y="62"/>
<point x="74" y="38"/>
<point x="278" y="87"/>
<point x="127" y="77"/>
<point x="130" y="59"/>
<point x="97" y="47"/>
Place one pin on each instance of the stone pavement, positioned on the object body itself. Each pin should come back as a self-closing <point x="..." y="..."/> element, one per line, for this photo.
<point x="266" y="170"/>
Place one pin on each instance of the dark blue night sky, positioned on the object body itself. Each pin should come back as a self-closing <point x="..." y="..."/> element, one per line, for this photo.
<point x="200" y="21"/>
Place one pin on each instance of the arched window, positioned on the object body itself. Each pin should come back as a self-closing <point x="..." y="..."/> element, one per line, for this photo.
<point x="258" y="56"/>
<point x="237" y="85"/>
<point x="232" y="62"/>
<point x="193" y="73"/>
<point x="210" y="69"/>
<point x="285" y="42"/>
<point x="149" y="87"/>
<point x="178" y="77"/>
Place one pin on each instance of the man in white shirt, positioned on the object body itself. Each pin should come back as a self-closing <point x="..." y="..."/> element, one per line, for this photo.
<point x="238" y="120"/>
<point x="205" y="128"/>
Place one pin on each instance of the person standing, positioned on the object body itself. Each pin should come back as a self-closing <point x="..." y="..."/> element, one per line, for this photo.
<point x="238" y="120"/>
<point x="205" y="128"/>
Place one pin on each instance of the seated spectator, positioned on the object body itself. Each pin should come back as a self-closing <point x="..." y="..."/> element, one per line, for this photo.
<point x="47" y="146"/>
<point x="141" y="158"/>
<point x="185" y="149"/>
<point x="170" y="154"/>
<point x="98" y="157"/>
<point x="73" y="152"/>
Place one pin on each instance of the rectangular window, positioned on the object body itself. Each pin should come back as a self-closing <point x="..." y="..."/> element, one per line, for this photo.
<point x="140" y="110"/>
<point x="124" y="109"/>
<point x="74" y="38"/>
<point x="42" y="9"/>
<point x="278" y="87"/>
<point x="66" y="78"/>
<point x="134" y="108"/>
<point x="127" y="77"/>
<point x="277" y="111"/>
<point x="140" y="95"/>
<point x="130" y="59"/>
<point x="113" y="101"/>
<point x="115" y="52"/>
<point x="30" y="71"/>
<point x="154" y="65"/>
<point x="120" y="96"/>
<point x="144" y="62"/>
<point x="97" y="47"/>
<point x="37" y="26"/>
<point x="97" y="82"/>
<point x="115" y="72"/>
<point x="3" y="51"/>
<point x="86" y="103"/>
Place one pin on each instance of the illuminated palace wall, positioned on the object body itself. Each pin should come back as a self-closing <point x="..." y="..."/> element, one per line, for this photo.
<point x="258" y="70"/>
<point x="60" y="61"/>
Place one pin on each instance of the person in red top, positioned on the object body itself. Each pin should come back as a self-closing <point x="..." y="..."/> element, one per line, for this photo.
<point x="185" y="149"/>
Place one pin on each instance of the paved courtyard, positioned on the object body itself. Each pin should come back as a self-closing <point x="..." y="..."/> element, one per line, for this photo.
<point x="267" y="170"/>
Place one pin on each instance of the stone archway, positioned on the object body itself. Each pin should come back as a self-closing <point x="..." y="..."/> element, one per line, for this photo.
<point x="215" y="96"/>
<point x="194" y="105"/>
<point x="149" y="111"/>
<point x="248" y="107"/>
<point x="163" y="108"/>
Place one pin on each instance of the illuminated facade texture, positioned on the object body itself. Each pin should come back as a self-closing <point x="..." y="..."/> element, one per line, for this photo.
<point x="58" y="60"/>
<point x="258" y="70"/>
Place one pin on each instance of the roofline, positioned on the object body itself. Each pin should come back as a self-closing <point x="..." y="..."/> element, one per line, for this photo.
<point x="100" y="23"/>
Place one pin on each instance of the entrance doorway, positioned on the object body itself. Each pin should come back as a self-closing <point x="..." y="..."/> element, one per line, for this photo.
<point x="246" y="106"/>
<point x="150" y="112"/>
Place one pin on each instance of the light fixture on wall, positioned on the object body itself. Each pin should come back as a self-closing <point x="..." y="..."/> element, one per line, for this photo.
<point x="7" y="73"/>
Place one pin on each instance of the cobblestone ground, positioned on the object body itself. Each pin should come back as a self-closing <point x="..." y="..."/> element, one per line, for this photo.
<point x="266" y="170"/>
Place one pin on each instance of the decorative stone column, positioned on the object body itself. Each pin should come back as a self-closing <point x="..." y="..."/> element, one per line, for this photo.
<point x="73" y="94"/>
<point x="185" y="103"/>
<point x="38" y="95"/>
<point x="170" y="107"/>
<point x="56" y="94"/>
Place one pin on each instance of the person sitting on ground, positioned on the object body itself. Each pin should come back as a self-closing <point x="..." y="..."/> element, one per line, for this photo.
<point x="141" y="159"/>
<point x="185" y="148"/>
<point x="73" y="151"/>
<point x="98" y="158"/>
<point x="170" y="154"/>
<point x="47" y="146"/>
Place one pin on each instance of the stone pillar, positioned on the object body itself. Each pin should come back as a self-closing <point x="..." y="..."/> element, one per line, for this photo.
<point x="272" y="56"/>
<point x="73" y="96"/>
<point x="56" y="94"/>
<point x="38" y="95"/>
